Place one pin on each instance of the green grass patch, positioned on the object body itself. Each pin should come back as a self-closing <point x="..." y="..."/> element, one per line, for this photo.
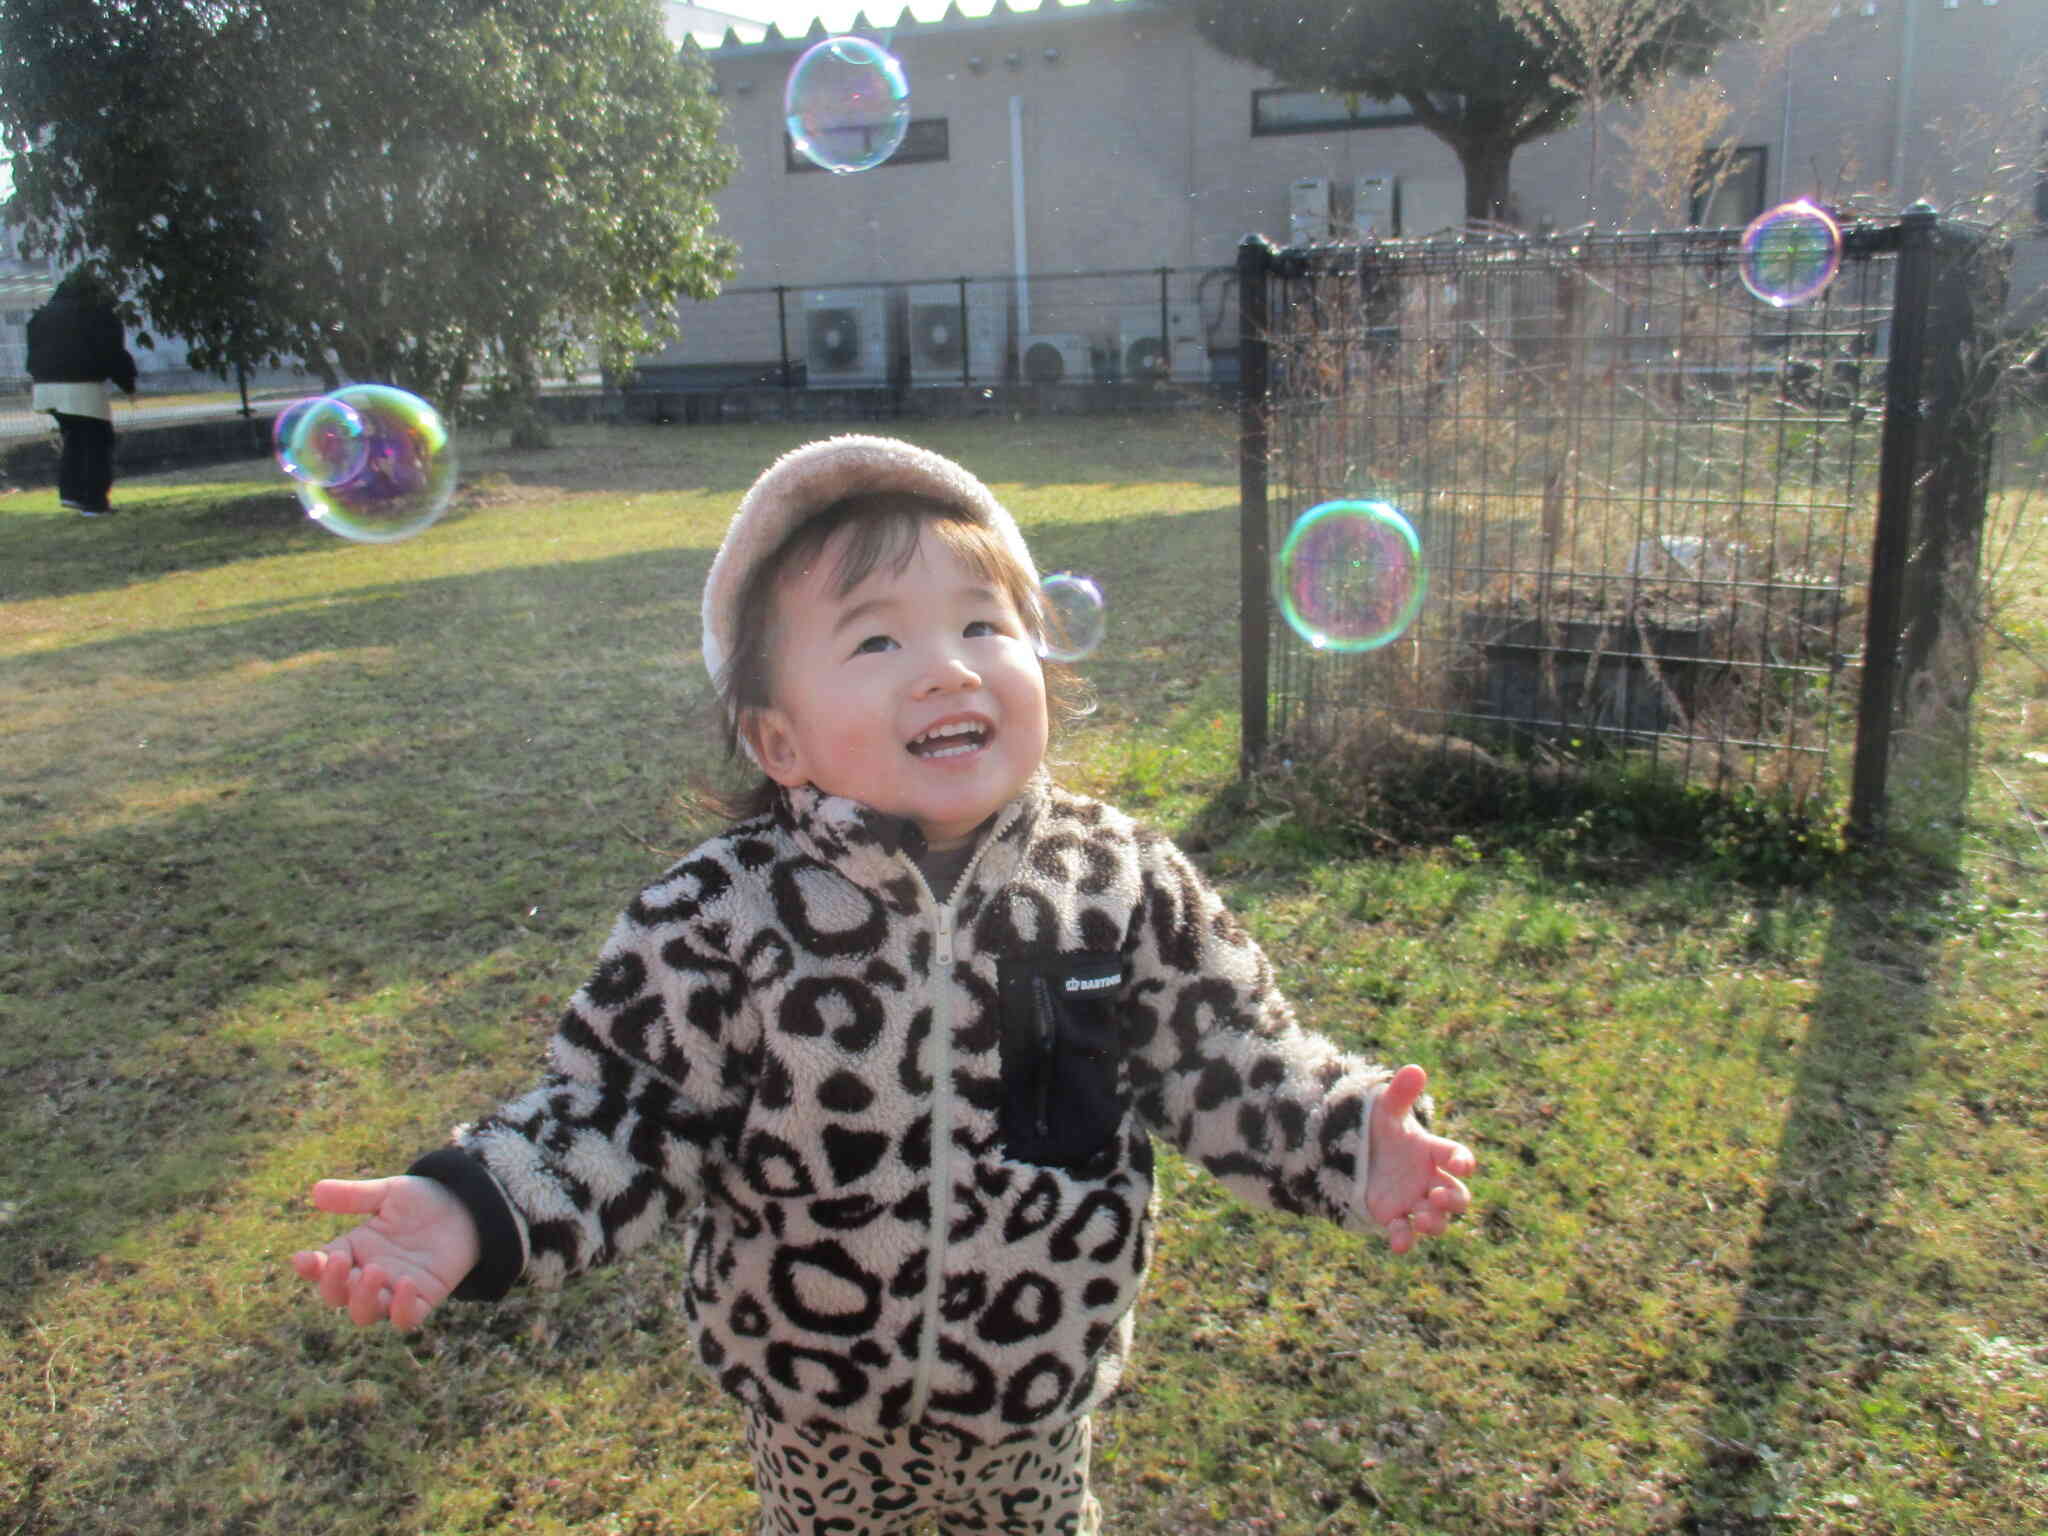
<point x="305" y="843"/>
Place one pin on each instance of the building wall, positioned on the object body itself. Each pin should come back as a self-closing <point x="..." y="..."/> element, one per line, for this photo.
<point x="1137" y="152"/>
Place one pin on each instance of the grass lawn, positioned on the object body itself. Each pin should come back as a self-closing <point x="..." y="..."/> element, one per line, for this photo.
<point x="303" y="844"/>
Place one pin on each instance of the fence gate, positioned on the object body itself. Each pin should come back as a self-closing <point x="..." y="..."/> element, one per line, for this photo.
<point x="1657" y="515"/>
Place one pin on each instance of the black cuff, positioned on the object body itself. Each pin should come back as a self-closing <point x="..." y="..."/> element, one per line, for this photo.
<point x="501" y="1256"/>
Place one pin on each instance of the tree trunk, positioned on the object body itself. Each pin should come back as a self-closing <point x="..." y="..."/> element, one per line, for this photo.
<point x="1485" y="161"/>
<point x="528" y="430"/>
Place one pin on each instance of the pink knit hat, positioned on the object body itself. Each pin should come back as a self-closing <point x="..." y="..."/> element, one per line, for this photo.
<point x="807" y="480"/>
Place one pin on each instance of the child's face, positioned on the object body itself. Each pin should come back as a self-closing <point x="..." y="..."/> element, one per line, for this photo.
<point x="866" y="683"/>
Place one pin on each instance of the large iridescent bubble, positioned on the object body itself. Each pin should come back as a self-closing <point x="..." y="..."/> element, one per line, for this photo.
<point x="1791" y="253"/>
<point x="407" y="472"/>
<point x="847" y="104"/>
<point x="1350" y="576"/>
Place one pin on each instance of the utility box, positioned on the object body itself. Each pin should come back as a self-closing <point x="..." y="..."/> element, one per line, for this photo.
<point x="1308" y="210"/>
<point x="1376" y="208"/>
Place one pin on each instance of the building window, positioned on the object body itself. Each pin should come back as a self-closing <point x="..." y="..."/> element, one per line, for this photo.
<point x="1289" y="111"/>
<point x="1728" y="188"/>
<point x="925" y="139"/>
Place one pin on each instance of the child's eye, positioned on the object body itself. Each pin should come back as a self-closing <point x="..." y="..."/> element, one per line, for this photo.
<point x="979" y="628"/>
<point x="874" y="645"/>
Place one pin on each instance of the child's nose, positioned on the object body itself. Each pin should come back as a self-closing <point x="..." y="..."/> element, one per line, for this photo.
<point x="947" y="674"/>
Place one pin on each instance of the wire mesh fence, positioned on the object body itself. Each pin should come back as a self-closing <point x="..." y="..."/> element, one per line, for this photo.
<point x="1645" y="499"/>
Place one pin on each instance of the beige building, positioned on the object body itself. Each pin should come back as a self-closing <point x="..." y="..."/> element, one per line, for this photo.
<point x="1107" y="136"/>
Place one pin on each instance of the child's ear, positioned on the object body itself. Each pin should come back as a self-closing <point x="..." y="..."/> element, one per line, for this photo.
<point x="776" y="747"/>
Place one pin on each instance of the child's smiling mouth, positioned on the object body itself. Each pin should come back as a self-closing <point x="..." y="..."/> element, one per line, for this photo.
<point x="950" y="738"/>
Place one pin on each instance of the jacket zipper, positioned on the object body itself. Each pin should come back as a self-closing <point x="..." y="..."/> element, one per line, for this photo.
<point x="941" y="1220"/>
<point x="942" y="1126"/>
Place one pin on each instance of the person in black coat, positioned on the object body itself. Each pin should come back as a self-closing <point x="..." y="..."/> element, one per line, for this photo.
<point x="74" y="350"/>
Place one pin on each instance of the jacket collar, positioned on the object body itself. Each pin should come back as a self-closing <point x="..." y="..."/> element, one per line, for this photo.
<point x="870" y="847"/>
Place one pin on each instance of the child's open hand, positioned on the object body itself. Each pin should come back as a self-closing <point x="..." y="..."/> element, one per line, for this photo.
<point x="417" y="1245"/>
<point x="1413" y="1188"/>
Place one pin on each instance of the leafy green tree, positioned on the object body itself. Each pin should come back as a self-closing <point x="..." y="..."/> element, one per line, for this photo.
<point x="1470" y="74"/>
<point x="420" y="192"/>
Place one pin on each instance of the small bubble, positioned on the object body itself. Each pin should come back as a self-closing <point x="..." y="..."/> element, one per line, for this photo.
<point x="320" y="441"/>
<point x="1074" y="617"/>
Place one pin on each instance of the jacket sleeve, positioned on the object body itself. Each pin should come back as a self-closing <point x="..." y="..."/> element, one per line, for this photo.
<point x="649" y="1073"/>
<point x="1218" y="1065"/>
<point x="110" y="356"/>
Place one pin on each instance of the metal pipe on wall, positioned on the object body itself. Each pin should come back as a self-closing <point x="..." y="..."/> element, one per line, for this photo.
<point x="1023" y="259"/>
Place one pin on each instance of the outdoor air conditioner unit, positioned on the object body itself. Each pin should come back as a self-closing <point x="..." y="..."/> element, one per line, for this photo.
<point x="1376" y="207"/>
<point x="847" y="336"/>
<point x="941" y="352"/>
<point x="1141" y="353"/>
<point x="1055" y="357"/>
<point x="1308" y="210"/>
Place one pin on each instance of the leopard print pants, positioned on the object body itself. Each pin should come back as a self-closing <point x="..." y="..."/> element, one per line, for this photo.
<point x="832" y="1484"/>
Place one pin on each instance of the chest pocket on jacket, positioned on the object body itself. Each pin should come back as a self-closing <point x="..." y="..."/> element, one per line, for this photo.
<point x="1061" y="1105"/>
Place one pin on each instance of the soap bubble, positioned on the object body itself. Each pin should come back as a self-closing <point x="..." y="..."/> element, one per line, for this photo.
<point x="406" y="477"/>
<point x="847" y="104"/>
<point x="321" y="441"/>
<point x="1790" y="253"/>
<point x="1350" y="576"/>
<point x="1074" y="617"/>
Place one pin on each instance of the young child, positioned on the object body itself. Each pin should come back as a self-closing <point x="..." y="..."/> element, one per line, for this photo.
<point x="894" y="1047"/>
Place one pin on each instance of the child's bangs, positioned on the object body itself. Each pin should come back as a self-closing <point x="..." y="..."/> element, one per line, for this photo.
<point x="881" y="532"/>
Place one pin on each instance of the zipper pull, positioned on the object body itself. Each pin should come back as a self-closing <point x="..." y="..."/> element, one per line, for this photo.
<point x="945" y="949"/>
<point x="1048" y="1040"/>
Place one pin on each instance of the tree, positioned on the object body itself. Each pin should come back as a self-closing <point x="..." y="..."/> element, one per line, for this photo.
<point x="1469" y="74"/>
<point x="1600" y="50"/>
<point x="1678" y="152"/>
<point x="417" y="192"/>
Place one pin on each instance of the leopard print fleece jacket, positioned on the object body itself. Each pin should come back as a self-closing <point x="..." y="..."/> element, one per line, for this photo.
<point x="912" y="1140"/>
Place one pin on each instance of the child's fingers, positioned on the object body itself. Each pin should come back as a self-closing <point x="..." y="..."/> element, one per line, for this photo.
<point x="369" y="1295"/>
<point x="1456" y="1158"/>
<point x="350" y="1197"/>
<point x="336" y="1269"/>
<point x="308" y="1263"/>
<point x="408" y="1309"/>
<point x="1402" y="1090"/>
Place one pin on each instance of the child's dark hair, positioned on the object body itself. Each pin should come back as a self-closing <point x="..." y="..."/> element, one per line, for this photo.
<point x="882" y="529"/>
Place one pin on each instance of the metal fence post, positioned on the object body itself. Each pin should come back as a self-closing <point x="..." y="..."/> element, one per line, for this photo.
<point x="1897" y="468"/>
<point x="1165" y="330"/>
<point x="1254" y="258"/>
<point x="1959" y="385"/>
<point x="1939" y="640"/>
<point x="966" y="341"/>
<point x="782" y="335"/>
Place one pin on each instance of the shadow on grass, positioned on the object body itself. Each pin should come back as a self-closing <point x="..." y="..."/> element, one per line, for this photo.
<point x="198" y="530"/>
<point x="361" y="796"/>
<point x="176" y="527"/>
<point x="1812" y="1299"/>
